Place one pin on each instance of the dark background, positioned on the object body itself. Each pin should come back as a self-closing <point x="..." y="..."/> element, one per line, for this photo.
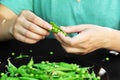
<point x="44" y="47"/>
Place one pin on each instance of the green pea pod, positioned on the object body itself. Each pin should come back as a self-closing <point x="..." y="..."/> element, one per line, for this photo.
<point x="56" y="28"/>
<point x="31" y="62"/>
<point x="4" y="76"/>
<point x="21" y="56"/>
<point x="27" y="78"/>
<point x="11" y="68"/>
<point x="48" y="71"/>
<point x="12" y="78"/>
<point x="22" y="71"/>
<point x="42" y="77"/>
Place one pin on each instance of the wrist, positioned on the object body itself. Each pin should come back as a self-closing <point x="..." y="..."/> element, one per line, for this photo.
<point x="113" y="42"/>
<point x="5" y="33"/>
<point x="109" y="39"/>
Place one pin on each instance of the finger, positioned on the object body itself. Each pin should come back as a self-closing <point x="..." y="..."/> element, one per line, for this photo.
<point x="79" y="38"/>
<point x="73" y="50"/>
<point x="80" y="48"/>
<point x="27" y="33"/>
<point x="57" y="37"/>
<point x="74" y="29"/>
<point x="63" y="39"/>
<point x="24" y="39"/>
<point x="34" y="28"/>
<point x="64" y="43"/>
<point x="37" y="20"/>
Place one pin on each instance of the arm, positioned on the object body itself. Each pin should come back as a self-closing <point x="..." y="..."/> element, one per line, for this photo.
<point x="7" y="18"/>
<point x="115" y="40"/>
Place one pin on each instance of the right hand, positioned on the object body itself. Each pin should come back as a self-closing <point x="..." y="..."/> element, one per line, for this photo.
<point x="30" y="28"/>
<point x="89" y="38"/>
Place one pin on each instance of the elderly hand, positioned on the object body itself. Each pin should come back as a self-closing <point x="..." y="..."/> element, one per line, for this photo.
<point x="29" y="28"/>
<point x="89" y="38"/>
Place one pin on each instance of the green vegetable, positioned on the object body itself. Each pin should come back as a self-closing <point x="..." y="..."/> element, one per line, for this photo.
<point x="13" y="54"/>
<point x="30" y="51"/>
<point x="46" y="70"/>
<point x="31" y="62"/>
<point x="56" y="28"/>
<point x="51" y="53"/>
<point x="21" y="56"/>
<point x="12" y="78"/>
<point x="107" y="58"/>
<point x="3" y="76"/>
<point x="11" y="68"/>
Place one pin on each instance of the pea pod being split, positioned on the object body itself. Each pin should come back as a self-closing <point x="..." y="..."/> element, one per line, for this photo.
<point x="56" y="28"/>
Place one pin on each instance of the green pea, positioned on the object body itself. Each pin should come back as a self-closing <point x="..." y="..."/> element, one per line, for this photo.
<point x="51" y="53"/>
<point x="57" y="29"/>
<point x="12" y="53"/>
<point x="30" y="51"/>
<point x="107" y="58"/>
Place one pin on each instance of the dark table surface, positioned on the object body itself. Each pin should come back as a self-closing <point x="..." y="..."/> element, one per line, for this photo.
<point x="44" y="47"/>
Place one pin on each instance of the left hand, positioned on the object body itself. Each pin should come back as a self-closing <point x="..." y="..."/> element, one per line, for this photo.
<point x="89" y="38"/>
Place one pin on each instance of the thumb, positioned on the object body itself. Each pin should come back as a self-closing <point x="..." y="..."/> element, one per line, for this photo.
<point x="73" y="29"/>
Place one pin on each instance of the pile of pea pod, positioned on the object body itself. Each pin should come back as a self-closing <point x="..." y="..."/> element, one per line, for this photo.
<point x="46" y="70"/>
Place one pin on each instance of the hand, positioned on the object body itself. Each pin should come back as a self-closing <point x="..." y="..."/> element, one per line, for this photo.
<point x="29" y="28"/>
<point x="89" y="38"/>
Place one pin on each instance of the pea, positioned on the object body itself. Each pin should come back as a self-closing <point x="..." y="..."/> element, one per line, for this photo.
<point x="56" y="28"/>
<point x="51" y="53"/>
<point x="107" y="58"/>
<point x="30" y="51"/>
<point x="13" y="54"/>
